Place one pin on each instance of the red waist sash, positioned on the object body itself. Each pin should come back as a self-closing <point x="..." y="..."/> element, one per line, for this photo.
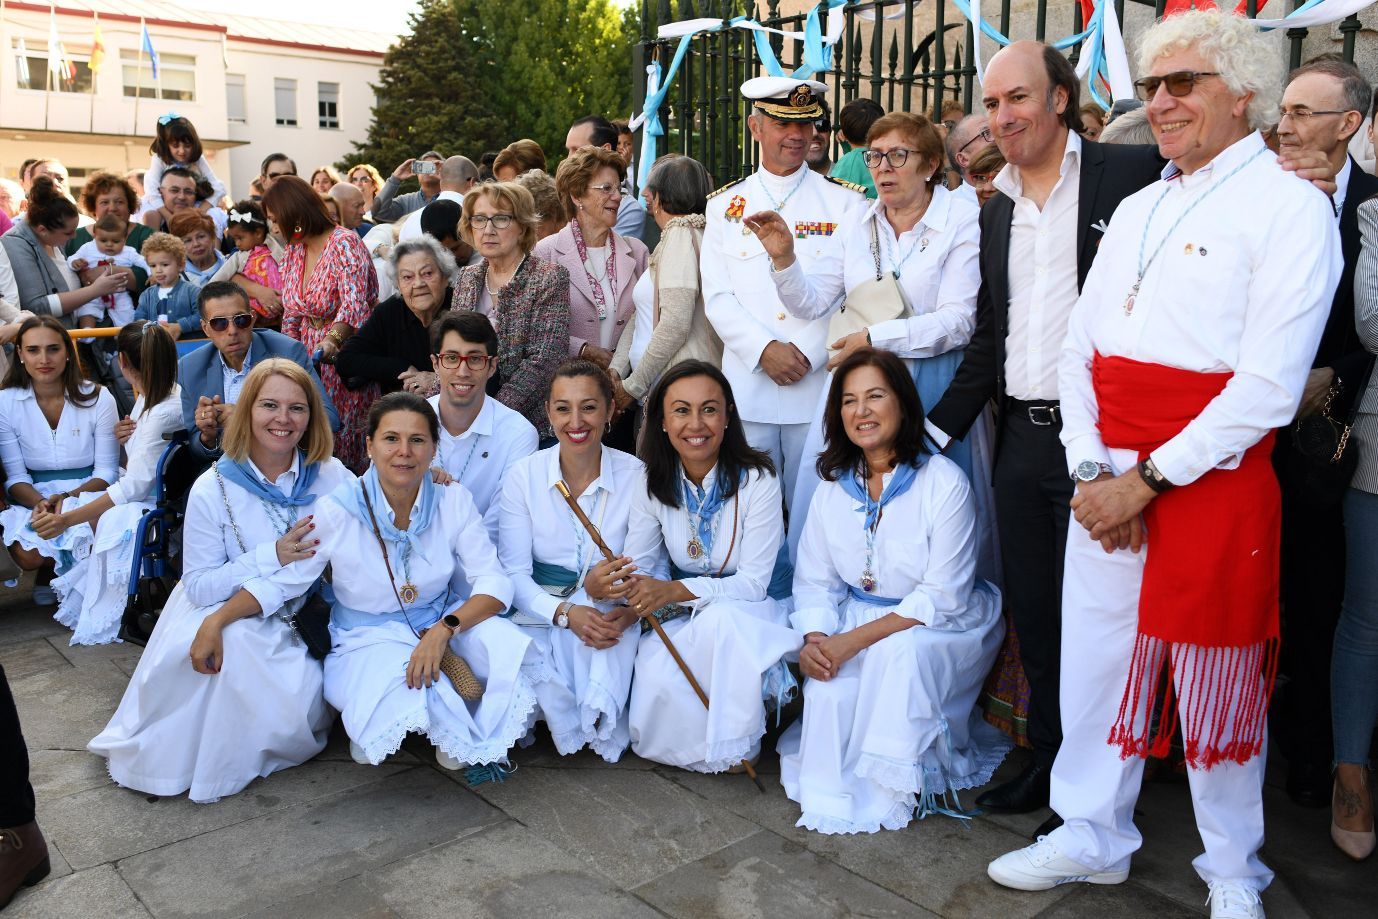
<point x="1208" y="606"/>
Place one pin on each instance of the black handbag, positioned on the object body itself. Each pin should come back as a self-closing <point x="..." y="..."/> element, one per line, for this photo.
<point x="1320" y="463"/>
<point x="312" y="623"/>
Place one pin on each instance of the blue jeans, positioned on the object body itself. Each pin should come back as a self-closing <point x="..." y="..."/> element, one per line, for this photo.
<point x="1354" y="667"/>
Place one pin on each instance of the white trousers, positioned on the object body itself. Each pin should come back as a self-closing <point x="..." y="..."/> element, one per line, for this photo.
<point x="785" y="444"/>
<point x="1093" y="789"/>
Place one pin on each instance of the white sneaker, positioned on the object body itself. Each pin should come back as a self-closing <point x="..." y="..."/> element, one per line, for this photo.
<point x="1042" y="867"/>
<point x="1234" y="900"/>
<point x="356" y="753"/>
<point x="44" y="596"/>
<point x="446" y="761"/>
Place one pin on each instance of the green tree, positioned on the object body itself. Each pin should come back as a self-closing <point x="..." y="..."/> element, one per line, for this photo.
<point x="428" y="94"/>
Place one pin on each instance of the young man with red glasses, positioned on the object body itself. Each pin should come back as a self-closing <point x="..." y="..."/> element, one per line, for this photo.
<point x="211" y="377"/>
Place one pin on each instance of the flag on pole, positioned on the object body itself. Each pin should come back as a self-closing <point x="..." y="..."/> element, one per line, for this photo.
<point x="97" y="50"/>
<point x="69" y="67"/>
<point x="21" y="64"/>
<point x="54" y="46"/>
<point x="147" y="48"/>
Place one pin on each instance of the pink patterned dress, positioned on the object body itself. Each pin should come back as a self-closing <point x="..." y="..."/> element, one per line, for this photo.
<point x="342" y="288"/>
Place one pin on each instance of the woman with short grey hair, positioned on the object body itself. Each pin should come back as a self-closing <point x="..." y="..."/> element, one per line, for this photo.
<point x="392" y="349"/>
<point x="669" y="324"/>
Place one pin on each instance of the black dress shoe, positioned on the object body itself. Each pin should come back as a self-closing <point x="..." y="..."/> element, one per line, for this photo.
<point x="1308" y="784"/>
<point x="1026" y="792"/>
<point x="1046" y="827"/>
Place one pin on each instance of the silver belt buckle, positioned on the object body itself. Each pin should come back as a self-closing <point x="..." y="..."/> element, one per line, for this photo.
<point x="1047" y="413"/>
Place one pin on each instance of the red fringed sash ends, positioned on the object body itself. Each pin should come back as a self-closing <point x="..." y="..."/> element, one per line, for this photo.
<point x="1208" y="610"/>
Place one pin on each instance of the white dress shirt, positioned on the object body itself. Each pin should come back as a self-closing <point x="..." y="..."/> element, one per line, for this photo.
<point x="1042" y="277"/>
<point x="537" y="524"/>
<point x="924" y="552"/>
<point x="411" y="227"/>
<point x="1342" y="188"/>
<point x="939" y="275"/>
<point x="1243" y="284"/>
<point x="479" y="457"/>
<point x="214" y="567"/>
<point x="739" y="296"/>
<point x="84" y="436"/>
<point x="145" y="447"/>
<point x="755" y="513"/>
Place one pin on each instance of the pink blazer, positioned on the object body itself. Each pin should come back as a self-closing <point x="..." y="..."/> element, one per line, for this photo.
<point x="583" y="309"/>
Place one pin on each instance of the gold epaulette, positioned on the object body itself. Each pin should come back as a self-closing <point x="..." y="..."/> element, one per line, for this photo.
<point x="861" y="189"/>
<point x="726" y="187"/>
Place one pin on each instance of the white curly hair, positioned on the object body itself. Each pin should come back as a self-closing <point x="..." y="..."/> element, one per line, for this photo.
<point x="1247" y="59"/>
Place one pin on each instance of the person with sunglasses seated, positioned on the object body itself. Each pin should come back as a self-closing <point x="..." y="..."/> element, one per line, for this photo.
<point x="211" y="377"/>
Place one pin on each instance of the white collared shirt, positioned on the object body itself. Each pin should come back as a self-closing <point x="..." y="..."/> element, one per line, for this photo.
<point x="234" y="379"/>
<point x="1243" y="284"/>
<point x="1042" y="277"/>
<point x="939" y="276"/>
<point x="924" y="552"/>
<point x="1342" y="188"/>
<point x="538" y="525"/>
<point x="481" y="456"/>
<point x="145" y="447"/>
<point x="656" y="532"/>
<point x="84" y="436"/>
<point x="411" y="227"/>
<point x="214" y="567"/>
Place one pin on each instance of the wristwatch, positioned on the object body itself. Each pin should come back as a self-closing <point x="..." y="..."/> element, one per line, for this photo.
<point x="1154" y="479"/>
<point x="452" y="623"/>
<point x="1090" y="470"/>
<point x="562" y="616"/>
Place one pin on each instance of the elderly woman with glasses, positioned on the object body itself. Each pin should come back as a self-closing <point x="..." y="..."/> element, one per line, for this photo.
<point x="526" y="298"/>
<point x="392" y="348"/>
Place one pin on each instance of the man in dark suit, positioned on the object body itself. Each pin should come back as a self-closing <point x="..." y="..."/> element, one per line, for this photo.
<point x="1323" y="107"/>
<point x="1038" y="238"/>
<point x="211" y="376"/>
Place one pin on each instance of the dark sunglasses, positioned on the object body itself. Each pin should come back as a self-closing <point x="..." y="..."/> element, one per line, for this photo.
<point x="1179" y="83"/>
<point x="240" y="320"/>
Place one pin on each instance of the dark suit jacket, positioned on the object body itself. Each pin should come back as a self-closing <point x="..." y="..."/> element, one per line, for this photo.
<point x="200" y="375"/>
<point x="1340" y="347"/>
<point x="1109" y="174"/>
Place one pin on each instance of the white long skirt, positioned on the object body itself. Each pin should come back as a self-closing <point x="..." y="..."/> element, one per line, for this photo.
<point x="735" y="650"/>
<point x="178" y="730"/>
<point x="92" y="596"/>
<point x="896" y="728"/>
<point x="65" y="548"/>
<point x="366" y="679"/>
<point x="583" y="692"/>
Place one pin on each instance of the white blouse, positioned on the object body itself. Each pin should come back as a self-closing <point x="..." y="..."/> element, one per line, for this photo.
<point x="1244" y="283"/>
<point x="924" y="552"/>
<point x="643" y="296"/>
<point x="455" y="558"/>
<point x="537" y="523"/>
<point x="84" y="436"/>
<point x="939" y="272"/>
<point x="145" y="447"/>
<point x="214" y="567"/>
<point x="755" y="513"/>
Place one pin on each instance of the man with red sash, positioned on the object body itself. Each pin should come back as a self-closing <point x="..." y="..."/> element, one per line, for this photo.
<point x="1190" y="343"/>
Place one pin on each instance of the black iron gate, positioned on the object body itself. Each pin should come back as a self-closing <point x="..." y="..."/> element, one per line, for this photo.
<point x="911" y="63"/>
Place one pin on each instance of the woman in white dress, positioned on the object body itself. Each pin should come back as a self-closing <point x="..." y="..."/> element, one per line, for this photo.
<point x="899" y="633"/>
<point x="396" y="613"/>
<point x="93" y="594"/>
<point x="57" y="442"/>
<point x="225" y="691"/>
<point x="922" y="238"/>
<point x="565" y="599"/>
<point x="703" y="535"/>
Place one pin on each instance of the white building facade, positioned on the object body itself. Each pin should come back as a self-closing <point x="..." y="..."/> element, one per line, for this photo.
<point x="251" y="86"/>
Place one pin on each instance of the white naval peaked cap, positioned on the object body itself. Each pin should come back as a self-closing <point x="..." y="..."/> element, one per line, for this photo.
<point x="786" y="98"/>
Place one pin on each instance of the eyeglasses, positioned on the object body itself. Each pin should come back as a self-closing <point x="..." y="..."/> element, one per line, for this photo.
<point x="896" y="157"/>
<point x="452" y="359"/>
<point x="605" y="190"/>
<point x="983" y="135"/>
<point x="1179" y="83"/>
<point x="499" y="221"/>
<point x="823" y="126"/>
<point x="278" y="175"/>
<point x="240" y="320"/>
<point x="1300" y="115"/>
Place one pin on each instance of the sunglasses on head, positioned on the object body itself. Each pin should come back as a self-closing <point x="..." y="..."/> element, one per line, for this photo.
<point x="1179" y="83"/>
<point x="240" y="320"/>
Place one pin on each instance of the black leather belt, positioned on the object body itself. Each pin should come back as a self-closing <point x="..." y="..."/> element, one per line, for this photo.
<point x="1043" y="414"/>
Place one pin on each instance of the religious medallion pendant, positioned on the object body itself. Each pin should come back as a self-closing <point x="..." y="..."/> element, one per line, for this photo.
<point x="868" y="581"/>
<point x="407" y="592"/>
<point x="1129" y="300"/>
<point x="695" y="548"/>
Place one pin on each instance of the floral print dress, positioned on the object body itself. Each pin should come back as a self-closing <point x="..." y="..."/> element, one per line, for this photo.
<point x="342" y="288"/>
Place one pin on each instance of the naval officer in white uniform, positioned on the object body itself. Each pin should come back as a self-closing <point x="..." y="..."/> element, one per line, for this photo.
<point x="773" y="361"/>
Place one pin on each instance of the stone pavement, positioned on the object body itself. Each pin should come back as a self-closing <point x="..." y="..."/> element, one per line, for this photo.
<point x="564" y="836"/>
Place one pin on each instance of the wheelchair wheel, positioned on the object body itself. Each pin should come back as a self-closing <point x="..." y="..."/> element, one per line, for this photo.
<point x="142" y="611"/>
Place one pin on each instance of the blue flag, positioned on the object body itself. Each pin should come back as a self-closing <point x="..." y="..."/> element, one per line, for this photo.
<point x="147" y="47"/>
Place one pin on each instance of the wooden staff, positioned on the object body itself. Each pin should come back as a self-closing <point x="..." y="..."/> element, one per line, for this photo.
<point x="563" y="489"/>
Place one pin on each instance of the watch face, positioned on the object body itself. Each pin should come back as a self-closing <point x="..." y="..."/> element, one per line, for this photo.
<point x="1088" y="470"/>
<point x="452" y="621"/>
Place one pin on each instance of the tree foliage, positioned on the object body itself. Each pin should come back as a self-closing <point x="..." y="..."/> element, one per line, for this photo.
<point x="474" y="75"/>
